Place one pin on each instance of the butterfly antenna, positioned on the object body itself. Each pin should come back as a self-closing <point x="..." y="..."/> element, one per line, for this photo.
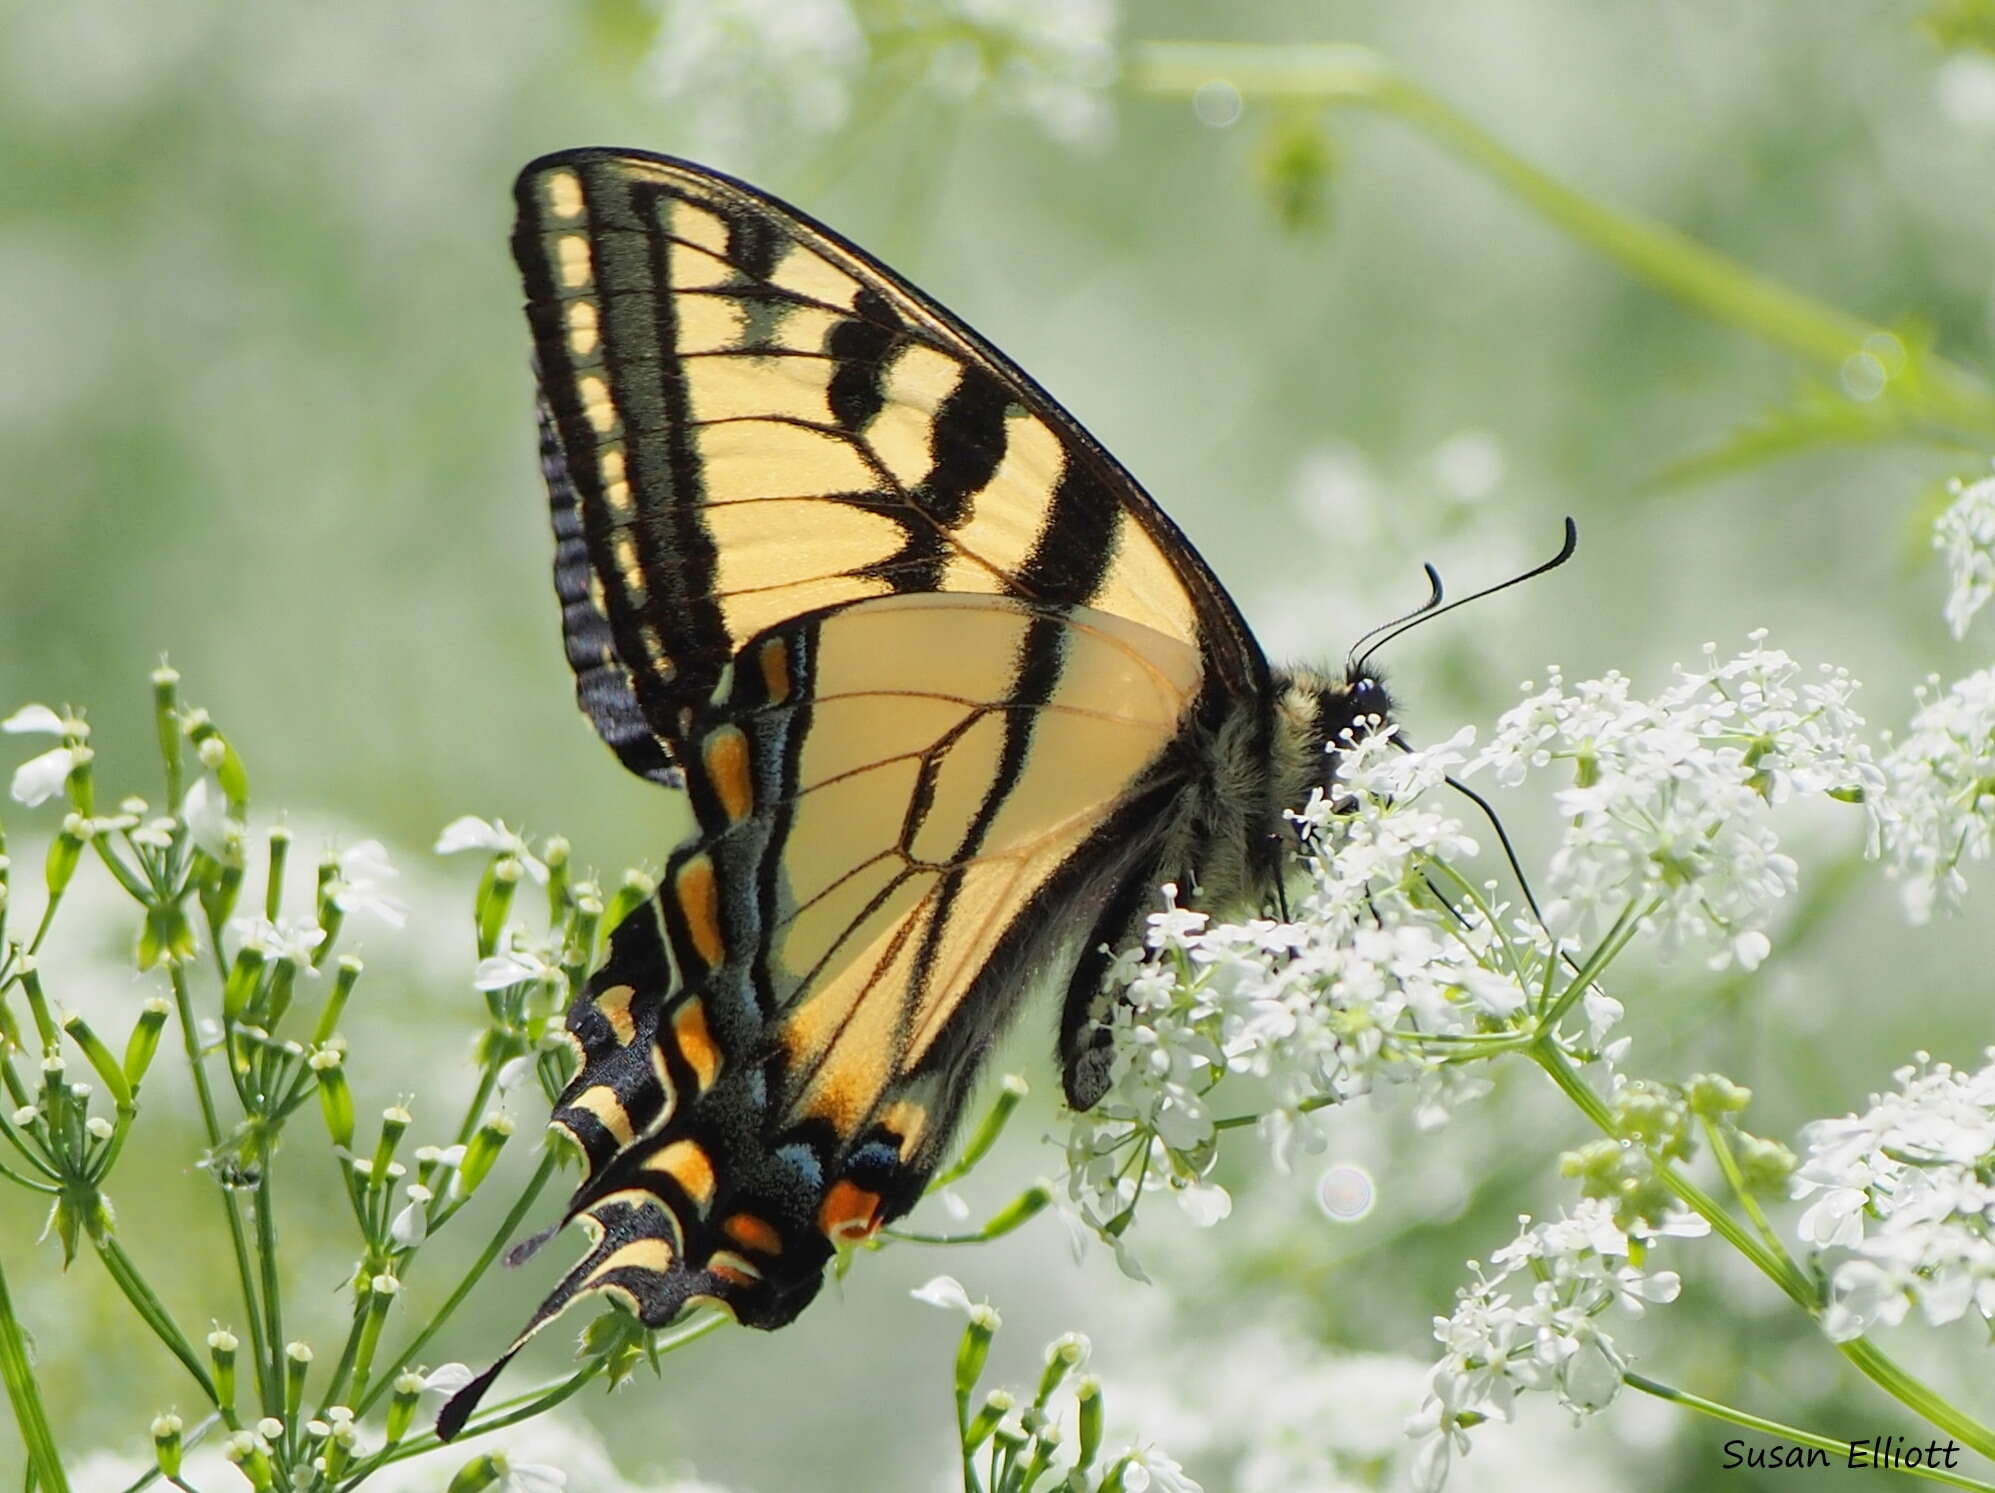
<point x="1430" y="612"/>
<point x="1503" y="838"/>
<point x="1351" y="660"/>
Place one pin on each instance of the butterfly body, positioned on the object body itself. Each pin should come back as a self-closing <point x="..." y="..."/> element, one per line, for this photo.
<point x="950" y="696"/>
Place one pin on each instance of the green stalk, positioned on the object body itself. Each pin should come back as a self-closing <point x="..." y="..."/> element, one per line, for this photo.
<point x="1720" y="287"/>
<point x="24" y="1394"/>
<point x="152" y="1311"/>
<point x="211" y="1126"/>
<point x="1782" y="1432"/>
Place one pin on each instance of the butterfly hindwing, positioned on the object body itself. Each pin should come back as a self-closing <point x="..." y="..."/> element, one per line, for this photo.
<point x="758" y="421"/>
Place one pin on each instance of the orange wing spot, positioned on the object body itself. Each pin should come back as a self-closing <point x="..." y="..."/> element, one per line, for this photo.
<point x="848" y="1212"/>
<point x="907" y="1120"/>
<point x="686" y="1163"/>
<point x="699" y="905"/>
<point x="753" y="1233"/>
<point x="614" y="1004"/>
<point x="726" y="754"/>
<point x="731" y="1268"/>
<point x="776" y="670"/>
<point x="696" y="1044"/>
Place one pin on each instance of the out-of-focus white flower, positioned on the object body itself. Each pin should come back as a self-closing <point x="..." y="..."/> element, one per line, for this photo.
<point x="41" y="778"/>
<point x="1667" y="808"/>
<point x="1532" y="1321"/>
<point x="289" y="939"/>
<point x="528" y="1477"/>
<point x="1965" y="85"/>
<point x="1938" y="811"/>
<point x="1905" y="1201"/>
<point x="36" y="720"/>
<point x="1146" y="1468"/>
<point x="946" y="1292"/>
<point x="204" y="810"/>
<point x="356" y="887"/>
<point x="491" y="836"/>
<point x="742" y="70"/>
<point x="525" y="961"/>
<point x="787" y="64"/>
<point x="1966" y="533"/>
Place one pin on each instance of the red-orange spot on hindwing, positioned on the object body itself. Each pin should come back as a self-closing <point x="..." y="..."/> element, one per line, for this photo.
<point x="775" y="661"/>
<point x="848" y="1212"/>
<point x="753" y="1233"/>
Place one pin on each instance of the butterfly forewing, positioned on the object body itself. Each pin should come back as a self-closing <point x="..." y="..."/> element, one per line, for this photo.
<point x="760" y="421"/>
<point x="936" y="673"/>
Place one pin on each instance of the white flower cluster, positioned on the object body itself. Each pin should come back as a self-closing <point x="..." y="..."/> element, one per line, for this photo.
<point x="1903" y="1196"/>
<point x="1939" y="809"/>
<point x="743" y="67"/>
<point x="1667" y="811"/>
<point x="1316" y="1008"/>
<point x="1966" y="534"/>
<point x="1532" y="1321"/>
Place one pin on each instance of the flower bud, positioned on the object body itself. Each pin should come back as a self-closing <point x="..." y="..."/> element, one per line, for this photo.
<point x="635" y="891"/>
<point x="1713" y="1094"/>
<point x="478" y="1474"/>
<point x="1025" y="1206"/>
<point x="335" y="1098"/>
<point x="247" y="1451"/>
<point x="144" y="1041"/>
<point x="346" y="973"/>
<point x="85" y="1037"/>
<point x="245" y="974"/>
<point x="1063" y="1355"/>
<point x="297" y="1363"/>
<point x="997" y="1405"/>
<point x="973" y="1350"/>
<point x="1765" y="1165"/>
<point x="394" y="1123"/>
<point x="1087" y="1394"/>
<point x="222" y="1348"/>
<point x="402" y="1405"/>
<point x="166" y="1446"/>
<point x="483" y="1151"/>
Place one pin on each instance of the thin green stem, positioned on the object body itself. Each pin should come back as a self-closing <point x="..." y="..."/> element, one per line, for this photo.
<point x="500" y="1237"/>
<point x="272" y="1369"/>
<point x="211" y="1126"/>
<point x="1794" y="1434"/>
<point x="17" y="1371"/>
<point x="1721" y="1148"/>
<point x="152" y="1311"/>
<point x="1720" y="287"/>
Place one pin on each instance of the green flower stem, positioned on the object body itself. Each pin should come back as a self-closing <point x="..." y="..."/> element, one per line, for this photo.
<point x="1605" y="952"/>
<point x="500" y="1238"/>
<point x="1721" y="1148"/>
<point x="1866" y="1357"/>
<point x="211" y="1126"/>
<point x="1782" y="1432"/>
<point x="24" y="1394"/>
<point x="270" y="1363"/>
<point x="152" y="1311"/>
<point x="1722" y="288"/>
<point x="188" y="1442"/>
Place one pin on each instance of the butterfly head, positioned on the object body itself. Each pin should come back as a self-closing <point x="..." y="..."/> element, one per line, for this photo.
<point x="1319" y="712"/>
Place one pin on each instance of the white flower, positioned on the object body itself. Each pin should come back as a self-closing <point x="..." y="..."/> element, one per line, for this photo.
<point x="410" y="1227"/>
<point x="528" y="1477"/>
<point x="39" y="779"/>
<point x="491" y="836"/>
<point x="514" y="967"/>
<point x="36" y="720"/>
<point x="1147" y="1468"/>
<point x="1533" y="1320"/>
<point x="289" y="939"/>
<point x="445" y="1380"/>
<point x="204" y="810"/>
<point x="356" y="885"/>
<point x="1668" y="806"/>
<point x="1938" y="811"/>
<point x="946" y="1292"/>
<point x="1966" y="532"/>
<point x="1906" y="1215"/>
<point x="779" y="64"/>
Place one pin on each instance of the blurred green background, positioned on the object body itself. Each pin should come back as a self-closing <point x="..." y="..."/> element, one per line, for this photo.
<point x="264" y="406"/>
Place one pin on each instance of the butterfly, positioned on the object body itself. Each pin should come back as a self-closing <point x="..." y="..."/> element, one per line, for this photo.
<point x="949" y="693"/>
